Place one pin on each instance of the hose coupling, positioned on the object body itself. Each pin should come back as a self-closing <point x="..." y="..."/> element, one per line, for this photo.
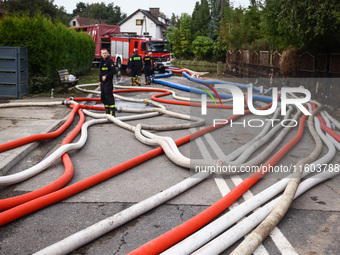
<point x="219" y="162"/>
<point x="146" y="101"/>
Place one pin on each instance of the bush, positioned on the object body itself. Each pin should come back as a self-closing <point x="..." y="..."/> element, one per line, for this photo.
<point x="289" y="62"/>
<point x="50" y="46"/>
<point x="202" y="46"/>
<point x="39" y="84"/>
<point x="182" y="63"/>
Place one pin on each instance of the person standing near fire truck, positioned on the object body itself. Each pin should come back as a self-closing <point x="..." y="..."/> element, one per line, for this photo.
<point x="107" y="70"/>
<point x="153" y="66"/>
<point x="135" y="64"/>
<point x="147" y="63"/>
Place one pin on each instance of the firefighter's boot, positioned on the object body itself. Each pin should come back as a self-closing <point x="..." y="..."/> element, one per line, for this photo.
<point x="107" y="109"/>
<point x="133" y="81"/>
<point x="138" y="80"/>
<point x="147" y="81"/>
<point x="112" y="110"/>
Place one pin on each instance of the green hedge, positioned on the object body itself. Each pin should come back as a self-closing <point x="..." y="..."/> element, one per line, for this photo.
<point x="184" y="62"/>
<point x="50" y="46"/>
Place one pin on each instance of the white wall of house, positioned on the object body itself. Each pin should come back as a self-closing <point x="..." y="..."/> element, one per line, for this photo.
<point x="148" y="26"/>
<point x="74" y="22"/>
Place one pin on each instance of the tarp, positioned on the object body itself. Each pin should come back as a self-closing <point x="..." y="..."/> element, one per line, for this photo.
<point x="98" y="32"/>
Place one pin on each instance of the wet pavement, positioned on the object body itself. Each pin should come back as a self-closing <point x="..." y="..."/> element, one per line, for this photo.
<point x="309" y="227"/>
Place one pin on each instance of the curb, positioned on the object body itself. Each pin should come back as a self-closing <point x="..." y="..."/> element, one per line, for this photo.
<point x="24" y="150"/>
<point x="27" y="148"/>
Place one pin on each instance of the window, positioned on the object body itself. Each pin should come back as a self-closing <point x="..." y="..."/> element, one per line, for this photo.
<point x="143" y="46"/>
<point x="136" y="45"/>
<point x="158" y="46"/>
<point x="74" y="23"/>
<point x="139" y="22"/>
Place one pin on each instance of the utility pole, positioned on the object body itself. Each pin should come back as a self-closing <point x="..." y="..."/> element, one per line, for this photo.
<point x="143" y="24"/>
<point x="219" y="60"/>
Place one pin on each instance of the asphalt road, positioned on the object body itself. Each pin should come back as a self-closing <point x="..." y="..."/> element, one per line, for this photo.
<point x="311" y="225"/>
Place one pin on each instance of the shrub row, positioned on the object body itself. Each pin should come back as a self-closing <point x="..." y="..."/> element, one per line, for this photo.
<point x="183" y="62"/>
<point x="50" y="46"/>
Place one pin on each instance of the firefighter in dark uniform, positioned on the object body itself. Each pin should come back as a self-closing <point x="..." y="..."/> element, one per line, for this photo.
<point x="153" y="66"/>
<point x="147" y="62"/>
<point x="135" y="64"/>
<point x="107" y="70"/>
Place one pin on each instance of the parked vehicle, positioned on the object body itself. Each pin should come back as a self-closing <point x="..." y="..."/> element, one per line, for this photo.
<point x="122" y="47"/>
<point x="101" y="34"/>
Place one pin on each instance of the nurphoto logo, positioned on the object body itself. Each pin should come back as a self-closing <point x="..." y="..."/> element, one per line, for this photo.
<point x="238" y="100"/>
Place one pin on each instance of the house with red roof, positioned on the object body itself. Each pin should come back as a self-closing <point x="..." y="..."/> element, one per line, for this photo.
<point x="79" y="22"/>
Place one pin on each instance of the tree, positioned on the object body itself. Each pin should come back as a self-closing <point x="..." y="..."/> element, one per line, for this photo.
<point x="202" y="46"/>
<point x="175" y="20"/>
<point x="238" y="32"/>
<point x="241" y="28"/>
<point x="110" y="13"/>
<point x="95" y="11"/>
<point x="21" y="7"/>
<point x="51" y="46"/>
<point x="309" y="25"/>
<point x="173" y="36"/>
<point x="214" y="23"/>
<point x="80" y="8"/>
<point x="186" y="34"/>
<point x="231" y="31"/>
<point x="201" y="18"/>
<point x="114" y="14"/>
<point x="195" y="18"/>
<point x="181" y="37"/>
<point x="252" y="23"/>
<point x="63" y="16"/>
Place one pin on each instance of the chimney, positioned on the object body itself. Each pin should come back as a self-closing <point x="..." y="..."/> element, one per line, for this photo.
<point x="154" y="12"/>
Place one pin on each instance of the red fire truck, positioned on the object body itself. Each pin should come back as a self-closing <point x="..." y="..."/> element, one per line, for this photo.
<point x="123" y="46"/>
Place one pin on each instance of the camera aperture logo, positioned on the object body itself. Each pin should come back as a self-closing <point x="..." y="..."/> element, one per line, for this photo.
<point x="204" y="98"/>
<point x="238" y="99"/>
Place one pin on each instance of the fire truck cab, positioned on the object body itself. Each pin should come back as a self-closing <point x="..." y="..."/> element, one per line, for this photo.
<point x="123" y="46"/>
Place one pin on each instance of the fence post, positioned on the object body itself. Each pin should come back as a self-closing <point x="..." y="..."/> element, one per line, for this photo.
<point x="18" y="73"/>
<point x="326" y="87"/>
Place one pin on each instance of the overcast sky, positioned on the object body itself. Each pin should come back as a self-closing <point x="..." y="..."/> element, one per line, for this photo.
<point x="129" y="6"/>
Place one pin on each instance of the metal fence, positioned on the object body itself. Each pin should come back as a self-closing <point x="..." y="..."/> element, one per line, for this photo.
<point x="318" y="73"/>
<point x="13" y="72"/>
